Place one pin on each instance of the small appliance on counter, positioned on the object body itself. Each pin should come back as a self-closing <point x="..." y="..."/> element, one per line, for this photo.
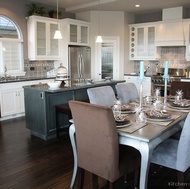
<point x="62" y="74"/>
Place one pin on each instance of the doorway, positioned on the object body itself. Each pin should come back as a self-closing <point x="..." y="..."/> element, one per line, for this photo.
<point x="107" y="63"/>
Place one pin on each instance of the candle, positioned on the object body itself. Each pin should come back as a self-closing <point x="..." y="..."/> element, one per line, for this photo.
<point x="141" y="70"/>
<point x="166" y="68"/>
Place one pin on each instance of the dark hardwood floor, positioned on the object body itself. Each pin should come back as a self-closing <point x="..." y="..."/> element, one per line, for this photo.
<point x="27" y="162"/>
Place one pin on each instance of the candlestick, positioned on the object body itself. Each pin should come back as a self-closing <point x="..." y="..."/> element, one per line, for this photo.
<point x="166" y="68"/>
<point x="141" y="70"/>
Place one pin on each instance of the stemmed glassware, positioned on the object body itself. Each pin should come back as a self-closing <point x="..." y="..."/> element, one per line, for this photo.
<point x="116" y="108"/>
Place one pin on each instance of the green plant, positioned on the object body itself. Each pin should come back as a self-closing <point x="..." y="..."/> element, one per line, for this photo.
<point x="34" y="9"/>
<point x="53" y="12"/>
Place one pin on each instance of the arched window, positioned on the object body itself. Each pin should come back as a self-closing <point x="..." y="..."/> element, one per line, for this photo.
<point x="11" y="47"/>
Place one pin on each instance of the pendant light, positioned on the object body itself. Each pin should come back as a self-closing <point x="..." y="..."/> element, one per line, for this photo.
<point x="57" y="34"/>
<point x="99" y="37"/>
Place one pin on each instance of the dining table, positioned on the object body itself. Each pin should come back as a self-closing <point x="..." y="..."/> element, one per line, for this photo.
<point x="142" y="136"/>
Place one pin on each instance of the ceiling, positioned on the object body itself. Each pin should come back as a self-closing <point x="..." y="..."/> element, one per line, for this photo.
<point x="146" y="6"/>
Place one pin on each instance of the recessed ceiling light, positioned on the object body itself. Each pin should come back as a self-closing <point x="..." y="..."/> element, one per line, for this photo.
<point x="137" y="5"/>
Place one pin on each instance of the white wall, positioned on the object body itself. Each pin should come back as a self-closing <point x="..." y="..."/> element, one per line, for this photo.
<point x="111" y="24"/>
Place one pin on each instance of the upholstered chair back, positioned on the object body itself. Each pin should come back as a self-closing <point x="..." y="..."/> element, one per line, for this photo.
<point x="179" y="85"/>
<point x="183" y="151"/>
<point x="127" y="92"/>
<point x="104" y="96"/>
<point x="96" y="139"/>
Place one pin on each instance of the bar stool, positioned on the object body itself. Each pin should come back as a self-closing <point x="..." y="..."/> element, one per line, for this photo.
<point x="65" y="110"/>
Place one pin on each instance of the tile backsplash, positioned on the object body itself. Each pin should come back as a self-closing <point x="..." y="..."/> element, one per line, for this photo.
<point x="38" y="68"/>
<point x="175" y="56"/>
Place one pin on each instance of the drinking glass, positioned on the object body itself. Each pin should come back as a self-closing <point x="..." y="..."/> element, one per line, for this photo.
<point x="116" y="111"/>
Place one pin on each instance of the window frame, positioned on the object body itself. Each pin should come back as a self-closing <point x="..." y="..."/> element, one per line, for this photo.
<point x="19" y="39"/>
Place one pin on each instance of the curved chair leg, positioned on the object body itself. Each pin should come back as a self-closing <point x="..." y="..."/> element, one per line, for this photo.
<point x="73" y="143"/>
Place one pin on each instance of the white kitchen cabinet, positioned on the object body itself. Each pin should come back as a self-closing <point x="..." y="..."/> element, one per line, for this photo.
<point x="136" y="80"/>
<point x="12" y="98"/>
<point x="187" y="26"/>
<point x="76" y="32"/>
<point x="12" y="102"/>
<point x="41" y="45"/>
<point x="142" y="42"/>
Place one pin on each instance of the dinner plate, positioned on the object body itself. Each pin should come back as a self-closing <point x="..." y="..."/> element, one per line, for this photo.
<point x="160" y="120"/>
<point x="171" y="98"/>
<point x="128" y="111"/>
<point x="124" y="125"/>
<point x="179" y="107"/>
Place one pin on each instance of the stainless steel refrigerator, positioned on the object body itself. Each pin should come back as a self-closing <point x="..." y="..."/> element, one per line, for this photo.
<point x="79" y="63"/>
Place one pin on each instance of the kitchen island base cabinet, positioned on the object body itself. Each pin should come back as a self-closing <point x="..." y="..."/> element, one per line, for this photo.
<point x="40" y="104"/>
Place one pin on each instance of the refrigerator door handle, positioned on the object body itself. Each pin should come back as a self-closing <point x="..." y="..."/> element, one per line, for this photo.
<point x="82" y="67"/>
<point x="79" y="67"/>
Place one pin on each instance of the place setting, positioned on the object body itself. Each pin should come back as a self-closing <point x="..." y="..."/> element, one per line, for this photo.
<point x="121" y="120"/>
<point x="179" y="102"/>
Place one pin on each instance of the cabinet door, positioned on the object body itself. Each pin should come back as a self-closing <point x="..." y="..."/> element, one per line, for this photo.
<point x="53" y="46"/>
<point x="188" y="42"/>
<point x="41" y="45"/>
<point x="79" y="34"/>
<point x="142" y="43"/>
<point x="8" y="102"/>
<point x="73" y="33"/>
<point x="41" y="39"/>
<point x="20" y="101"/>
<point x="84" y="34"/>
<point x="12" y="102"/>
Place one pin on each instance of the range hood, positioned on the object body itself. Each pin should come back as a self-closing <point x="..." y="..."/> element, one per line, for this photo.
<point x="170" y="31"/>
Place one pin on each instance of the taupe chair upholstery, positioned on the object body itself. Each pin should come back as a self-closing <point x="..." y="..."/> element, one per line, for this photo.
<point x="175" y="154"/>
<point x="104" y="96"/>
<point x="179" y="85"/>
<point x="127" y="92"/>
<point x="97" y="142"/>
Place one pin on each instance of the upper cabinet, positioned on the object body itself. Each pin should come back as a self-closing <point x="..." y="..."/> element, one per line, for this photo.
<point x="187" y="35"/>
<point x="142" y="42"/>
<point x="76" y="32"/>
<point x="41" y="45"/>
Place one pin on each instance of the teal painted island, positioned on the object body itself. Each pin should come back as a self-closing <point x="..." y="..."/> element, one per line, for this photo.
<point x="40" y="103"/>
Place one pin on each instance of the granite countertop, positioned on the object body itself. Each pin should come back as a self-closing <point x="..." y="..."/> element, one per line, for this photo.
<point x="135" y="74"/>
<point x="72" y="85"/>
<point x="12" y="79"/>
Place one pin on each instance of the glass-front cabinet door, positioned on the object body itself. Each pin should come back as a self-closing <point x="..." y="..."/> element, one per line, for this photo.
<point x="187" y="24"/>
<point x="41" y="38"/>
<point x="54" y="43"/>
<point x="73" y="33"/>
<point x="79" y="34"/>
<point x="84" y="34"/>
<point x="41" y="45"/>
<point x="142" y="42"/>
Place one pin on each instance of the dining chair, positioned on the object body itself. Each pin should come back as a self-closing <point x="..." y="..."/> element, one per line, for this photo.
<point x="175" y="154"/>
<point x="180" y="85"/>
<point x="103" y="95"/>
<point x="98" y="149"/>
<point x="127" y="92"/>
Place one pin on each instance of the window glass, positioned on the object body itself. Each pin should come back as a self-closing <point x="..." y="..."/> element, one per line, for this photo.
<point x="11" y="46"/>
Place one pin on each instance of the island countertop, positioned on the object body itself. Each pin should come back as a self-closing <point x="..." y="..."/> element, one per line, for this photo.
<point x="40" y="105"/>
<point x="72" y="86"/>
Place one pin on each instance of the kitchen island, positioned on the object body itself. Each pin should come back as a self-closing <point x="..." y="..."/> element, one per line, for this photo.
<point x="40" y="102"/>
